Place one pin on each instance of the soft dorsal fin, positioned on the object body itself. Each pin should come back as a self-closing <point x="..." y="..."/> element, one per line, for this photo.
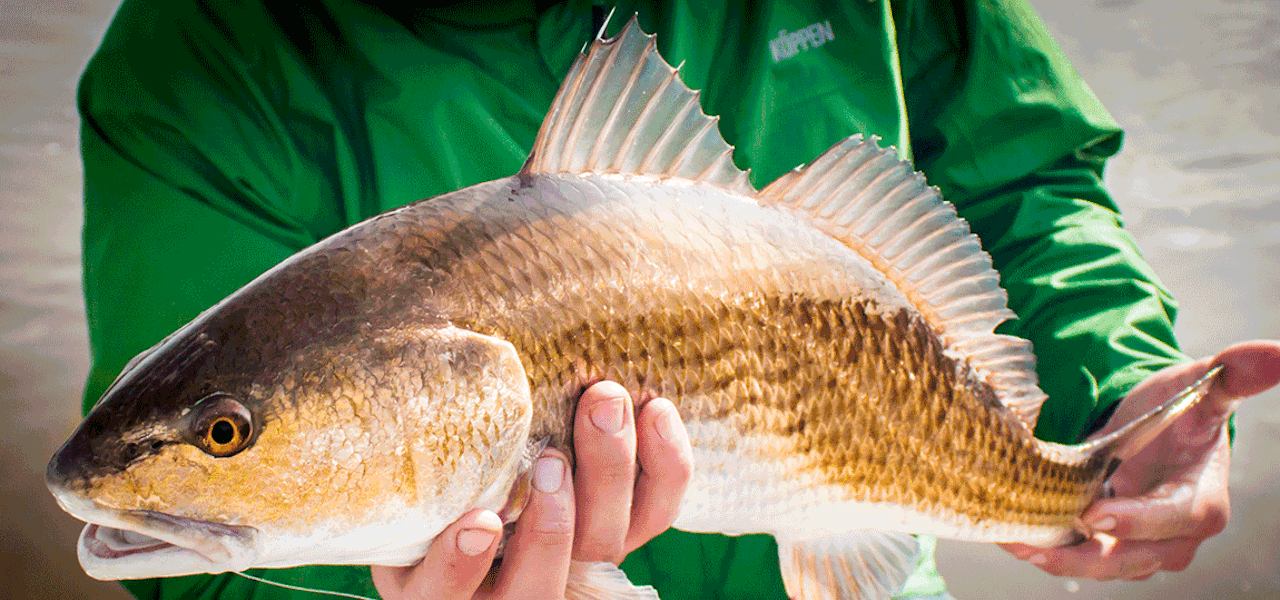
<point x="879" y="206"/>
<point x="623" y="109"/>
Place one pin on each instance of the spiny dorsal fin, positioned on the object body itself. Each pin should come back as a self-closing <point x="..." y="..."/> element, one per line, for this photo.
<point x="879" y="206"/>
<point x="623" y="109"/>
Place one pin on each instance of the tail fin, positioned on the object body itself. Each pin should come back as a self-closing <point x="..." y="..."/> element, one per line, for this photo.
<point x="1122" y="444"/>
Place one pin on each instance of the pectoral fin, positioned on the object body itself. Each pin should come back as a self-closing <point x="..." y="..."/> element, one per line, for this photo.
<point x="868" y="565"/>
<point x="520" y="492"/>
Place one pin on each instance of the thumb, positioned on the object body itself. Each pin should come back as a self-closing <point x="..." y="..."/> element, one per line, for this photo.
<point x="1250" y="368"/>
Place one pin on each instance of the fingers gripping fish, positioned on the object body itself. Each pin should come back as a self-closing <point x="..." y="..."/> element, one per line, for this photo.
<point x="828" y="340"/>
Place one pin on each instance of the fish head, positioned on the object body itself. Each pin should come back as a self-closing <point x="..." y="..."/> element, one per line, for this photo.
<point x="224" y="448"/>
<point x="147" y="467"/>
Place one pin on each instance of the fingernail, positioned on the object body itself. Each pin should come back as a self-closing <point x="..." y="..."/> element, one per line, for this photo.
<point x="472" y="542"/>
<point x="666" y="423"/>
<point x="1106" y="523"/>
<point x="475" y="540"/>
<point x="607" y="415"/>
<point x="548" y="474"/>
<point x="1038" y="559"/>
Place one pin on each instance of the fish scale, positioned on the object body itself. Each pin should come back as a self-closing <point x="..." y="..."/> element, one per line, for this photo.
<point x="828" y="340"/>
<point x="898" y="361"/>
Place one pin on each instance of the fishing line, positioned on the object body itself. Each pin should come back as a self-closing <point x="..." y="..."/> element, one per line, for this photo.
<point x="298" y="588"/>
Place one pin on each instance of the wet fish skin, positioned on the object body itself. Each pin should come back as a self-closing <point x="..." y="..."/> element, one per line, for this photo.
<point x="827" y="340"/>
<point x="863" y="389"/>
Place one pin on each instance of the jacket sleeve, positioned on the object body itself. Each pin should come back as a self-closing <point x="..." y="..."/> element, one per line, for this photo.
<point x="188" y="195"/>
<point x="187" y="181"/>
<point x="1006" y="128"/>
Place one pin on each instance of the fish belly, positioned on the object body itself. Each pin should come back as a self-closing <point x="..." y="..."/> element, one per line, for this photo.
<point x="759" y="483"/>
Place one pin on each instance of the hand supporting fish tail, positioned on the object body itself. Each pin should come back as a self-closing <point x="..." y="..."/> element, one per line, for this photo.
<point x="1171" y="496"/>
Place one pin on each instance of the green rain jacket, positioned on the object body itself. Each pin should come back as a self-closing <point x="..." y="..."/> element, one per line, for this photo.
<point x="220" y="137"/>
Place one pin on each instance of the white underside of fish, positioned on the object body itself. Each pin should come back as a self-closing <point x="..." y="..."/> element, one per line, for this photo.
<point x="760" y="483"/>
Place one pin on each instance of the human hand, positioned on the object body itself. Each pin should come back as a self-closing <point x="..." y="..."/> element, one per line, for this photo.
<point x="600" y="512"/>
<point x="1171" y="496"/>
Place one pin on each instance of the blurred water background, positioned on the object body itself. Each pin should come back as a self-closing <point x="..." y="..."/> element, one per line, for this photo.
<point x="1196" y="85"/>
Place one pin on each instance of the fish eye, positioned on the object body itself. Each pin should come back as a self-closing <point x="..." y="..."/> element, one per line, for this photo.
<point x="222" y="425"/>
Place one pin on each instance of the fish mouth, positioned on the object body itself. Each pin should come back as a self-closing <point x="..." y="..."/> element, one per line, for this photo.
<point x="138" y="544"/>
<point x="152" y="532"/>
<point x="110" y="543"/>
<point x="143" y="544"/>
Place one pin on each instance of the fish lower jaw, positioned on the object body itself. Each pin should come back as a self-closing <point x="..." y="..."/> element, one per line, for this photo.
<point x="110" y="543"/>
<point x="107" y="553"/>
<point x="137" y="545"/>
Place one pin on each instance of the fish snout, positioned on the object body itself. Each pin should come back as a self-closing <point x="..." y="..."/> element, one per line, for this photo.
<point x="85" y="457"/>
<point x="66" y="471"/>
<point x="69" y="481"/>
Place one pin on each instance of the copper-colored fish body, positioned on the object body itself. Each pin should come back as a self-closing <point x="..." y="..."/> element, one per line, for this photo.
<point x="754" y="322"/>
